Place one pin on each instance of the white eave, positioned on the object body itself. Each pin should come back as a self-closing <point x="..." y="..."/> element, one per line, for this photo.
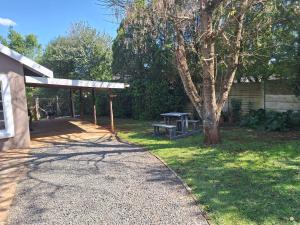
<point x="30" y="64"/>
<point x="67" y="83"/>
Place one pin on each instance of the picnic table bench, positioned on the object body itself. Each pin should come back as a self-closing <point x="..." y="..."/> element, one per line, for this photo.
<point x="195" y="124"/>
<point x="171" y="129"/>
<point x="182" y="118"/>
<point x="180" y="127"/>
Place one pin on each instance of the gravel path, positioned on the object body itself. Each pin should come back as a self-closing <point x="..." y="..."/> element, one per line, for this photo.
<point x="101" y="182"/>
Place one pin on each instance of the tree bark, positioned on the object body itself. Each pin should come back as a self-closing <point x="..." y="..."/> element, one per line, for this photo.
<point x="184" y="72"/>
<point x="235" y="56"/>
<point x="208" y="106"/>
<point x="210" y="117"/>
<point x="212" y="134"/>
<point x="205" y="105"/>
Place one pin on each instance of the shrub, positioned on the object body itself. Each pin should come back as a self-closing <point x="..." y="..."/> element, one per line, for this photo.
<point x="271" y="121"/>
<point x="236" y="106"/>
<point x="254" y="119"/>
<point x="294" y="120"/>
<point x="147" y="98"/>
<point x="276" y="121"/>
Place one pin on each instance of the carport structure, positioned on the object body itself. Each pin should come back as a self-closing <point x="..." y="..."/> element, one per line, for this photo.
<point x="17" y="72"/>
<point x="80" y="85"/>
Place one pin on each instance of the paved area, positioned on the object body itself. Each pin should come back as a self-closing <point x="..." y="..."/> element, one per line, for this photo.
<point x="100" y="182"/>
<point x="45" y="133"/>
<point x="11" y="169"/>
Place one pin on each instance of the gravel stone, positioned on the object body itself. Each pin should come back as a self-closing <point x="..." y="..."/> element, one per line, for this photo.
<point x="100" y="182"/>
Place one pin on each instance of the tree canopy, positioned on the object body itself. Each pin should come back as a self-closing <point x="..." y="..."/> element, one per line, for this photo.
<point x="155" y="86"/>
<point x="213" y="41"/>
<point x="27" y="45"/>
<point x="83" y="53"/>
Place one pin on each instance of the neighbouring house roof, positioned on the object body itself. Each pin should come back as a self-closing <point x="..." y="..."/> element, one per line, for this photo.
<point x="28" y="63"/>
<point x="66" y="83"/>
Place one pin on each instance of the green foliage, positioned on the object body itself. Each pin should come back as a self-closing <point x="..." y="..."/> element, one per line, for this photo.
<point x="272" y="46"/>
<point x="147" y="99"/>
<point x="82" y="54"/>
<point x="270" y="42"/>
<point x="254" y="119"/>
<point x="155" y="86"/>
<point x="293" y="120"/>
<point x="276" y="121"/>
<point x="236" y="106"/>
<point x="27" y="45"/>
<point x="271" y="121"/>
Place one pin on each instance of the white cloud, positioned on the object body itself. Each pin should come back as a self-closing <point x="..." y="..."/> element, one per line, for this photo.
<point x="7" y="22"/>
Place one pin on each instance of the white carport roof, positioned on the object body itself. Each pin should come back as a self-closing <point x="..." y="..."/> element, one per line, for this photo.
<point x="28" y="63"/>
<point x="45" y="78"/>
<point x="66" y="83"/>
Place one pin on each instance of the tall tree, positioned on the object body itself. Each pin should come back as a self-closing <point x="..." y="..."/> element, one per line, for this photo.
<point x="217" y="31"/>
<point x="83" y="53"/>
<point x="27" y="45"/>
<point x="154" y="80"/>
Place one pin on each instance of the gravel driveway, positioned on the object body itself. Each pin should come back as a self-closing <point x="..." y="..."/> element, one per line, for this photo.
<point x="100" y="182"/>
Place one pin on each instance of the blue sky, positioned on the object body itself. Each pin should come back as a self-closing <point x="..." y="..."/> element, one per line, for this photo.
<point x="51" y="18"/>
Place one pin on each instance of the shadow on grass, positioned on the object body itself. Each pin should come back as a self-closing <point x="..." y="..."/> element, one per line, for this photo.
<point x="245" y="180"/>
<point x="62" y="168"/>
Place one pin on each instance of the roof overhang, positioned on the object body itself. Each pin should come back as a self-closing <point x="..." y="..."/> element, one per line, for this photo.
<point x="76" y="84"/>
<point x="28" y="63"/>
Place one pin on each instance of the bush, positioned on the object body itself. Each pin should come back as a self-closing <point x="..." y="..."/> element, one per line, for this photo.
<point x="147" y="98"/>
<point x="236" y="106"/>
<point x="254" y="119"/>
<point x="294" y="120"/>
<point x="271" y="121"/>
<point x="276" y="121"/>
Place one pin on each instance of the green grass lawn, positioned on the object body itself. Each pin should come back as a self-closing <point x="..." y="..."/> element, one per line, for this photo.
<point x="251" y="178"/>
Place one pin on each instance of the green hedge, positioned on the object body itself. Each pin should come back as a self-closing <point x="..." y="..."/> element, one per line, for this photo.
<point x="148" y="98"/>
<point x="272" y="121"/>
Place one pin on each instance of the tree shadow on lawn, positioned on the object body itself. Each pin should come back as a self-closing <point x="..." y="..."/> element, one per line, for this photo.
<point x="244" y="179"/>
<point x="49" y="160"/>
<point x="87" y="154"/>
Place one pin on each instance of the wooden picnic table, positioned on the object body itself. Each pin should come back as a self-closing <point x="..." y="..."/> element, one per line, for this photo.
<point x="182" y="117"/>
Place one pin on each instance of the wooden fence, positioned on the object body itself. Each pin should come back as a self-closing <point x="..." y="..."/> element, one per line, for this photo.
<point x="273" y="95"/>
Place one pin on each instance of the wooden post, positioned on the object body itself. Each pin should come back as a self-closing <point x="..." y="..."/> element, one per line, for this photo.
<point x="37" y="109"/>
<point x="81" y="104"/>
<point x="72" y="108"/>
<point x="264" y="92"/>
<point x="94" y="106"/>
<point x="57" y="107"/>
<point x="112" y="124"/>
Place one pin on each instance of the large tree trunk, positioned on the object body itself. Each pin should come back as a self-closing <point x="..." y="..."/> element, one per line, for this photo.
<point x="212" y="134"/>
<point x="207" y="105"/>
<point x="210" y="117"/>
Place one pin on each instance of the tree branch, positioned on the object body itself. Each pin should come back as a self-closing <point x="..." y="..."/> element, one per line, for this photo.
<point x="232" y="67"/>
<point x="184" y="72"/>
